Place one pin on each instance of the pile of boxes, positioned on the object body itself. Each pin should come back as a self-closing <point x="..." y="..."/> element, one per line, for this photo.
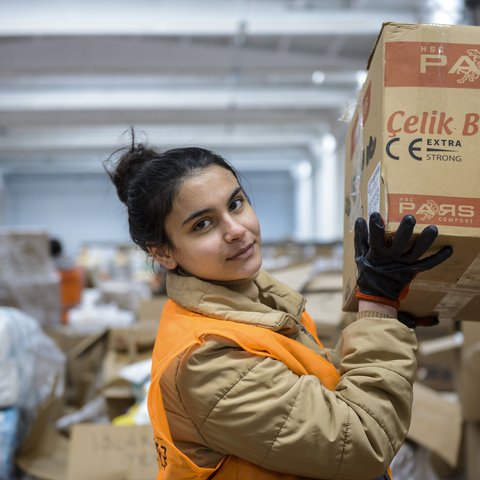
<point x="93" y="420"/>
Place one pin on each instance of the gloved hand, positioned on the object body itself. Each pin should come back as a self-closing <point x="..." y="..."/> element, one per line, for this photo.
<point x="386" y="267"/>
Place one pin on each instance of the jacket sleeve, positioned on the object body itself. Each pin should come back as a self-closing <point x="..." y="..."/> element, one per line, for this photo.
<point x="257" y="409"/>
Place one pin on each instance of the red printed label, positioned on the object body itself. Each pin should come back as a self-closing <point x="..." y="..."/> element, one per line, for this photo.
<point x="354" y="136"/>
<point x="438" y="210"/>
<point x="431" y="64"/>
<point x="367" y="98"/>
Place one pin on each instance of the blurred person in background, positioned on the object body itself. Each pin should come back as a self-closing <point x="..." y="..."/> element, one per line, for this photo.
<point x="72" y="278"/>
<point x="241" y="386"/>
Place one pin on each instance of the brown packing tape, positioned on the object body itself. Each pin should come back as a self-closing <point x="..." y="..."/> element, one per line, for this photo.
<point x="453" y="302"/>
<point x="457" y="295"/>
<point x="467" y="287"/>
<point x="431" y="286"/>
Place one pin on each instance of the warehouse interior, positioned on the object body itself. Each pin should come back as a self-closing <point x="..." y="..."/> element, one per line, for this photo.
<point x="272" y="86"/>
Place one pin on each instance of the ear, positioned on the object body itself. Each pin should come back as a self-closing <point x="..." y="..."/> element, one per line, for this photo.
<point x="164" y="256"/>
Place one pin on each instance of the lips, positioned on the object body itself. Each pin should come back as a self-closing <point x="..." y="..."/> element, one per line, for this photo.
<point x="243" y="253"/>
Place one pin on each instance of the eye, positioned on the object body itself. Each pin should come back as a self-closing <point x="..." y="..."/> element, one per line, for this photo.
<point x="236" y="204"/>
<point x="201" y="225"/>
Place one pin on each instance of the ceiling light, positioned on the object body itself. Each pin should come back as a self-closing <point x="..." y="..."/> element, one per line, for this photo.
<point x="448" y="12"/>
<point x="318" y="77"/>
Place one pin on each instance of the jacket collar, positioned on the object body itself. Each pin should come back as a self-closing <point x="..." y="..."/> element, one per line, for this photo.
<point x="280" y="308"/>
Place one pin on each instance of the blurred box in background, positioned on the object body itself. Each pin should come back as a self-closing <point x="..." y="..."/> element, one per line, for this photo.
<point x="28" y="278"/>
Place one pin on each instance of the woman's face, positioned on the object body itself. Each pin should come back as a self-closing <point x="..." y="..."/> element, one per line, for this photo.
<point x="214" y="230"/>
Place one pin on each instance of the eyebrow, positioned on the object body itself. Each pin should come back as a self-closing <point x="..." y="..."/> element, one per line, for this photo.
<point x="199" y="213"/>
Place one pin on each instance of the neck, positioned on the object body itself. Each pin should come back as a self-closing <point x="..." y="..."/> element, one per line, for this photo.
<point x="244" y="286"/>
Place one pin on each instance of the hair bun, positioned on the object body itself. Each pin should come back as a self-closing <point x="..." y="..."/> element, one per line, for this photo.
<point x="123" y="169"/>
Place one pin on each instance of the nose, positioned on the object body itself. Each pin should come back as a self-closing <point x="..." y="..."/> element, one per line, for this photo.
<point x="234" y="230"/>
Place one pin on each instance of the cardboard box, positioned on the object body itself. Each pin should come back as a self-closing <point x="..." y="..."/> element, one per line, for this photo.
<point x="469" y="384"/>
<point x="93" y="451"/>
<point x="43" y="454"/>
<point x="438" y="361"/>
<point x="472" y="447"/>
<point x="412" y="148"/>
<point x="119" y="393"/>
<point x="294" y="276"/>
<point x="151" y="310"/>
<point x="436" y="423"/>
<point x="105" y="452"/>
<point x="325" y="308"/>
<point x="134" y="339"/>
<point x="28" y="278"/>
<point x="85" y="353"/>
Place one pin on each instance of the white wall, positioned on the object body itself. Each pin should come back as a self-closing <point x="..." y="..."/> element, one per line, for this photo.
<point x="75" y="208"/>
<point x="80" y="208"/>
<point x="272" y="197"/>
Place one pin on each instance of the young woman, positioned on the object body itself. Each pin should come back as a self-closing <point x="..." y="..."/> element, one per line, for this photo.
<point x="242" y="388"/>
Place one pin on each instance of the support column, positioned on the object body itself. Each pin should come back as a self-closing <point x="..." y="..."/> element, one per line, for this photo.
<point x="328" y="190"/>
<point x="304" y="201"/>
<point x="3" y="201"/>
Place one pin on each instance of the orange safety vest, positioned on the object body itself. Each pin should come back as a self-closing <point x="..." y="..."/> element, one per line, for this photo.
<point x="71" y="287"/>
<point x="180" y="329"/>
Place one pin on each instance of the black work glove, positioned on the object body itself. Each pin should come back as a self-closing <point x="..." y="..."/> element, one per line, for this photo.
<point x="386" y="267"/>
<point x="412" y="321"/>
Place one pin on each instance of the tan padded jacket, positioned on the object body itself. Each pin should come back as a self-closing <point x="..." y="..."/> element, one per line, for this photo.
<point x="212" y="391"/>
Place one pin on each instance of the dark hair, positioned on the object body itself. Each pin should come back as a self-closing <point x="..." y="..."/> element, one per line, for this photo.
<point x="147" y="182"/>
<point x="55" y="247"/>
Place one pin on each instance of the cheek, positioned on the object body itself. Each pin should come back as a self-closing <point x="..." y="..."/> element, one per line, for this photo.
<point x="254" y="224"/>
<point x="200" y="251"/>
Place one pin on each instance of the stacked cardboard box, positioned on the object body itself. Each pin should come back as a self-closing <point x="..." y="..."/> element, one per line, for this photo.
<point x="413" y="149"/>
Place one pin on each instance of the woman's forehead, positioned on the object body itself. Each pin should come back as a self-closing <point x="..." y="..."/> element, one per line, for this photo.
<point x="202" y="182"/>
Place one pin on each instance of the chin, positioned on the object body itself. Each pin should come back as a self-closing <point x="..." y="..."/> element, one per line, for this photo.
<point x="251" y="271"/>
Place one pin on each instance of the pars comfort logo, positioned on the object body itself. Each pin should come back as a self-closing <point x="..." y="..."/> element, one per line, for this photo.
<point x="435" y="209"/>
<point x="428" y="210"/>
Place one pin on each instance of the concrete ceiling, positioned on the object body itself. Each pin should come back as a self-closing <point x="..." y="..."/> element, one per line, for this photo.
<point x="236" y="76"/>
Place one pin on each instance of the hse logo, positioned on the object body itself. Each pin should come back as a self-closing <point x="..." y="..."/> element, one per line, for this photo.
<point x="433" y="64"/>
<point x="466" y="67"/>
<point x="435" y="209"/>
<point x="433" y="149"/>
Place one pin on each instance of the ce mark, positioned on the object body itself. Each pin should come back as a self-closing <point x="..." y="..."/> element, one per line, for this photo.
<point x="412" y="148"/>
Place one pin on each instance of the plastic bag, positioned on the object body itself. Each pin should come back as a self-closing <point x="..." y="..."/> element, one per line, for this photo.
<point x="8" y="441"/>
<point x="35" y="365"/>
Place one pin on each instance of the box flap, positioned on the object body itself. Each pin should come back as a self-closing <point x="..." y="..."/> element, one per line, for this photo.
<point x="436" y="423"/>
<point x="104" y="452"/>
